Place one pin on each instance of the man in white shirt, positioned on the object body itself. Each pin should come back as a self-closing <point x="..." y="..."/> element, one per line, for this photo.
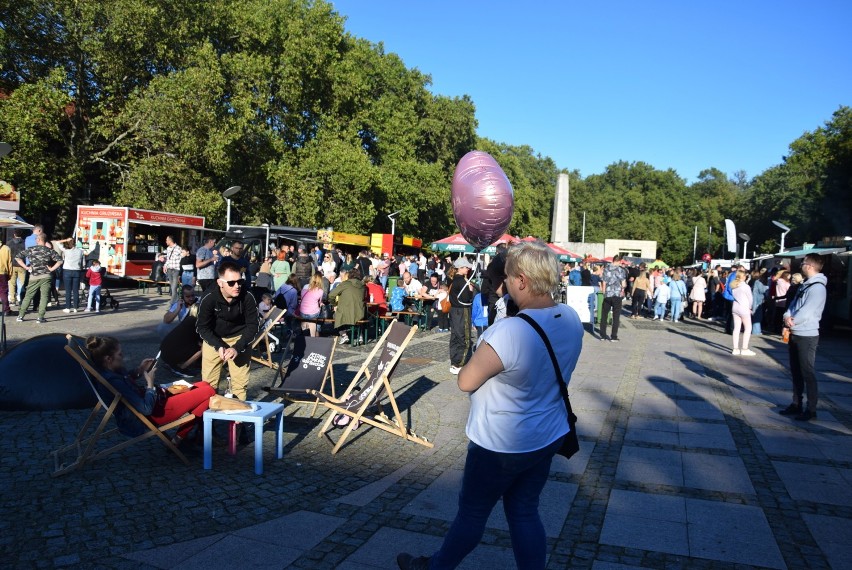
<point x="412" y="285"/>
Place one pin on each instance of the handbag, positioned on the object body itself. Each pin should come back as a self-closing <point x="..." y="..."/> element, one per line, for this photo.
<point x="445" y="305"/>
<point x="571" y="444"/>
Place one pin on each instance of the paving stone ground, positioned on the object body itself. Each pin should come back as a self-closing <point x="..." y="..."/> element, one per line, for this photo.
<point x="684" y="463"/>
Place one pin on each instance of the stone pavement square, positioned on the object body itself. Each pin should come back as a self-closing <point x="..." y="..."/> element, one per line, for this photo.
<point x="731" y="533"/>
<point x="816" y="483"/>
<point x="834" y="536"/>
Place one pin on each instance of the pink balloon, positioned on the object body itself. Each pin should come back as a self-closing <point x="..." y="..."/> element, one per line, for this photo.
<point x="483" y="199"/>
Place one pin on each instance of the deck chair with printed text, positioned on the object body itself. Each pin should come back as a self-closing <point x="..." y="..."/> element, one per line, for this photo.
<point x="108" y="399"/>
<point x="263" y="336"/>
<point x="362" y="403"/>
<point x="309" y="370"/>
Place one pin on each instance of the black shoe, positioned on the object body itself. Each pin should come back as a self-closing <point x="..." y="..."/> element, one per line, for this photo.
<point x="805" y="416"/>
<point x="602" y="338"/>
<point x="405" y="561"/>
<point x="791" y="410"/>
<point x="613" y="340"/>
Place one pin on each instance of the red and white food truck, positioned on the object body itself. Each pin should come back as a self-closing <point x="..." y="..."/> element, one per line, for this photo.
<point x="128" y="239"/>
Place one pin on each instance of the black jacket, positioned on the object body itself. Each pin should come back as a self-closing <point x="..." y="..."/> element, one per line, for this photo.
<point x="218" y="319"/>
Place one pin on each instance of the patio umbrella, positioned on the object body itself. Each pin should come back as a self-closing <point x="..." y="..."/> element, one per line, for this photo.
<point x="561" y="253"/>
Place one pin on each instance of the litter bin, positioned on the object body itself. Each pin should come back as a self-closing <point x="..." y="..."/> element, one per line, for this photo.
<point x="600" y="310"/>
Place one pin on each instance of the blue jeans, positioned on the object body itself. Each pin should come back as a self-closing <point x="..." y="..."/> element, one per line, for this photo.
<point x="659" y="310"/>
<point x="488" y="475"/>
<point x="72" y="287"/>
<point x="94" y="296"/>
<point x="677" y="308"/>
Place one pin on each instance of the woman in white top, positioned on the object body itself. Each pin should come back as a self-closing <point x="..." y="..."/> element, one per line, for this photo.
<point x="517" y="416"/>
<point x="741" y="312"/>
<point x="72" y="270"/>
<point x="698" y="295"/>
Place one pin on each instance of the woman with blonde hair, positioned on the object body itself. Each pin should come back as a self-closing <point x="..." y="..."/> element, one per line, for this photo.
<point x="518" y="419"/>
<point x="741" y="312"/>
<point x="311" y="304"/>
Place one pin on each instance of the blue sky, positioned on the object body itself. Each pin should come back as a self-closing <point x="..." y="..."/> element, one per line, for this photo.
<point x="677" y="84"/>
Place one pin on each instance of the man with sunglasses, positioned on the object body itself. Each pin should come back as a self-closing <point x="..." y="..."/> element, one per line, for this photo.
<point x="227" y="323"/>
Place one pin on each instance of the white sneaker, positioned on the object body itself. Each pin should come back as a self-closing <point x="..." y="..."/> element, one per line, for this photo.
<point x="454" y="370"/>
<point x="66" y="310"/>
<point x="343" y="339"/>
<point x="656" y="318"/>
<point x="736" y="352"/>
<point x="73" y="310"/>
<point x="747" y="352"/>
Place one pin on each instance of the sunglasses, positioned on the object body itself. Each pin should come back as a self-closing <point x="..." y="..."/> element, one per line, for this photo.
<point x="235" y="282"/>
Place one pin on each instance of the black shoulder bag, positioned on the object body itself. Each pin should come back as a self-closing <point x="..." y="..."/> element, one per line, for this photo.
<point x="570" y="445"/>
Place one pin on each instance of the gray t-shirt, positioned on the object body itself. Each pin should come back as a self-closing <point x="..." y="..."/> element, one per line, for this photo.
<point x="72" y="259"/>
<point x="208" y="271"/>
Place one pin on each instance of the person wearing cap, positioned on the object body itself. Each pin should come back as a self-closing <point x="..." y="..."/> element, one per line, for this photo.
<point x="461" y="295"/>
<point x="383" y="270"/>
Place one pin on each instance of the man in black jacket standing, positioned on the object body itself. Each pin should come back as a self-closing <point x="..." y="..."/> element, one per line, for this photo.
<point x="462" y="290"/>
<point x="227" y="323"/>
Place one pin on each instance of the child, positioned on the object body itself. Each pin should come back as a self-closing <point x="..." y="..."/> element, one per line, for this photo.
<point x="443" y="318"/>
<point x="479" y="314"/>
<point x="397" y="298"/>
<point x="661" y="297"/>
<point x="96" y="279"/>
<point x="265" y="305"/>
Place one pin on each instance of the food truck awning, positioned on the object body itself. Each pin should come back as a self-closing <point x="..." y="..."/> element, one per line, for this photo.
<point x="13" y="221"/>
<point x="817" y="250"/>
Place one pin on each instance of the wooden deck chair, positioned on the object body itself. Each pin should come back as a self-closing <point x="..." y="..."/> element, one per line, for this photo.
<point x="310" y="369"/>
<point x="262" y="339"/>
<point x="108" y="399"/>
<point x="376" y="373"/>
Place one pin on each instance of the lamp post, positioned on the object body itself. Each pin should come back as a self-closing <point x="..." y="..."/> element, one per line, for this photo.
<point x="784" y="233"/>
<point x="227" y="196"/>
<point x="745" y="237"/>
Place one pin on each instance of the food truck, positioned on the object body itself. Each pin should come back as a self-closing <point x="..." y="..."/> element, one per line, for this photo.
<point x="126" y="240"/>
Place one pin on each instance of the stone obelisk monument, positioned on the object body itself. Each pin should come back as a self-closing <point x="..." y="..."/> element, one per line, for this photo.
<point x="559" y="225"/>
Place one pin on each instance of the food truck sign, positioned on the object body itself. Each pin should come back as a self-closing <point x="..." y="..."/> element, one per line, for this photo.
<point x="166" y="218"/>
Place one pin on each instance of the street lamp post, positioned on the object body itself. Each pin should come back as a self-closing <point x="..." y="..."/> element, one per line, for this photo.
<point x="392" y="218"/>
<point x="227" y="196"/>
<point x="745" y="237"/>
<point x="784" y="233"/>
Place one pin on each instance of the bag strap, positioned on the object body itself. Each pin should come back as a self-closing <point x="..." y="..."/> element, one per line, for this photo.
<point x="563" y="389"/>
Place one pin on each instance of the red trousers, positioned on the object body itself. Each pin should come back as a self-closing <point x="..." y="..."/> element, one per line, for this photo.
<point x="193" y="402"/>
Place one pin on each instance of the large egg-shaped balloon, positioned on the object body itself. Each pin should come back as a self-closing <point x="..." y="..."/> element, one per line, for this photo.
<point x="483" y="199"/>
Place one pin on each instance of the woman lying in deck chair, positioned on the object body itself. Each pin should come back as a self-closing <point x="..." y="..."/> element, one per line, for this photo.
<point x="159" y="405"/>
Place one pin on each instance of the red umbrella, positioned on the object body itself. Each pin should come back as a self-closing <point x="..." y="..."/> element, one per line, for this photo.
<point x="562" y="252"/>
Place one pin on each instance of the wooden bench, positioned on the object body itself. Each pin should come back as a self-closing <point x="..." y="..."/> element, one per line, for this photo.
<point x="408" y="315"/>
<point x="142" y="284"/>
<point x="358" y="333"/>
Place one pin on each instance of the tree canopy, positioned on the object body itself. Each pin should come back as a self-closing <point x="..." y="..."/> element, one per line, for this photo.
<point x="162" y="104"/>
